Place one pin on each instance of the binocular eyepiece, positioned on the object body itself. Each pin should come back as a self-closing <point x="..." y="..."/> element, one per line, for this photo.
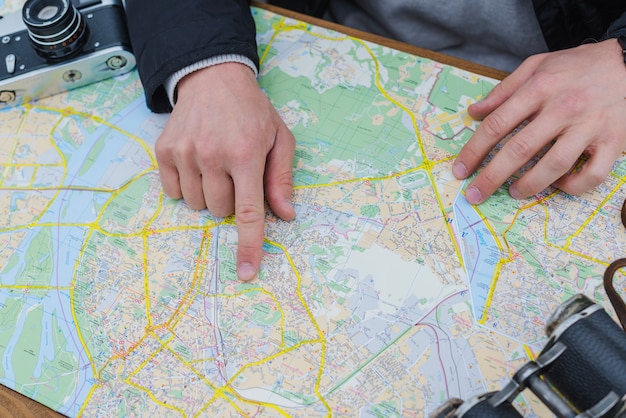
<point x="581" y="371"/>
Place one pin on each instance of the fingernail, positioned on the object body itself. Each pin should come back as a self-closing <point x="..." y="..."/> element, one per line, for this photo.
<point x="473" y="195"/>
<point x="459" y="170"/>
<point x="515" y="193"/>
<point x="246" y="272"/>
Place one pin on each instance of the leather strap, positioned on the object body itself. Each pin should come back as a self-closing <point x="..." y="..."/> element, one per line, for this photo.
<point x="614" y="297"/>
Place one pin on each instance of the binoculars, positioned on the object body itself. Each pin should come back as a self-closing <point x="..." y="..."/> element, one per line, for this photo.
<point x="581" y="371"/>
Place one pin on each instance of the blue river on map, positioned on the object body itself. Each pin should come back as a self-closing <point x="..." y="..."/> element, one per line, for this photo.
<point x="74" y="210"/>
<point x="56" y="307"/>
<point x="479" y="250"/>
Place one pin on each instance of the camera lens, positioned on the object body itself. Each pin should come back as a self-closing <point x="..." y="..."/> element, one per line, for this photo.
<point x="56" y="29"/>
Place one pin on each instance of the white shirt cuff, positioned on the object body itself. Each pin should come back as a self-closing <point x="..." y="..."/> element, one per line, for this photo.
<point x="172" y="81"/>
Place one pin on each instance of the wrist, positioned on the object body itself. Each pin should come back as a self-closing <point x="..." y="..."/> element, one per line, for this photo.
<point x="212" y="80"/>
<point x="171" y="83"/>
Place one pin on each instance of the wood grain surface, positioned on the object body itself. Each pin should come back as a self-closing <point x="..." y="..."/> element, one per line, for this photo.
<point x="14" y="405"/>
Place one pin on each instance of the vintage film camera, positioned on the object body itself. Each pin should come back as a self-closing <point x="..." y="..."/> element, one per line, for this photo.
<point x="581" y="371"/>
<point x="57" y="45"/>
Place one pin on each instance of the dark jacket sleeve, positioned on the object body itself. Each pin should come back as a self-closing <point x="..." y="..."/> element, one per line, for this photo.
<point x="569" y="23"/>
<point x="168" y="35"/>
<point x="617" y="28"/>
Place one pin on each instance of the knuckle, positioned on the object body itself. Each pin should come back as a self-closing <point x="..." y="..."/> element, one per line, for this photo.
<point x="490" y="179"/>
<point x="205" y="156"/>
<point x="543" y="83"/>
<point x="560" y="163"/>
<point x="470" y="155"/>
<point x="195" y="203"/>
<point x="222" y="210"/>
<point x="250" y="213"/>
<point x="162" y="150"/>
<point x="519" y="148"/>
<point x="178" y="151"/>
<point x="171" y="193"/>
<point x="495" y="125"/>
<point x="573" y="102"/>
<point x="535" y="59"/>
<point x="172" y="190"/>
<point x="244" y="152"/>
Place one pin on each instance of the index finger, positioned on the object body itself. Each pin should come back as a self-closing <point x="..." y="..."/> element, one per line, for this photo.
<point x="519" y="150"/>
<point x="250" y="219"/>
<point x="495" y="127"/>
<point x="504" y="108"/>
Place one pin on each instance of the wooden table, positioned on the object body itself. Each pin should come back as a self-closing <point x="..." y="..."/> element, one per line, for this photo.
<point x="15" y="405"/>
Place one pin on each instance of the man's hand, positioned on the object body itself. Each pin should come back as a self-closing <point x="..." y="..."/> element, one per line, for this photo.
<point x="576" y="96"/>
<point x="223" y="145"/>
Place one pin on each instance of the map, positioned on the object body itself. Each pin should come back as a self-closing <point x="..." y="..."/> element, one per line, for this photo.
<point x="386" y="296"/>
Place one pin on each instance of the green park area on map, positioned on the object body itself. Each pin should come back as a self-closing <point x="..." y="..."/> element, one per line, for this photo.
<point x="387" y="295"/>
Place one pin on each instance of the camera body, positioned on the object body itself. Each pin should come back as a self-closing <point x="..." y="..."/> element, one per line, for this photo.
<point x="58" y="45"/>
